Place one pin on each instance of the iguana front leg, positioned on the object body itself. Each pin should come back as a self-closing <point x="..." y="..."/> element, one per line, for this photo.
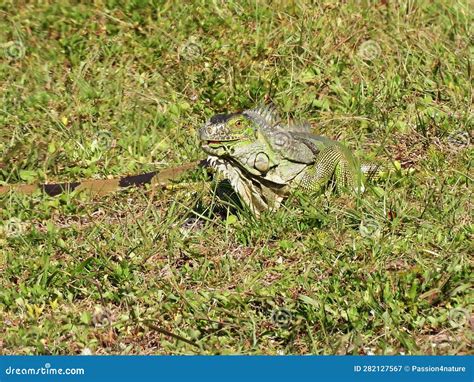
<point x="254" y="193"/>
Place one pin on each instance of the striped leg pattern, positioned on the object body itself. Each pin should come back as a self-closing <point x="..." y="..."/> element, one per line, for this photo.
<point x="332" y="166"/>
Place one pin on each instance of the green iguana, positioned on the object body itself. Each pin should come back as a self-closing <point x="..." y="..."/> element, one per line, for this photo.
<point x="265" y="159"/>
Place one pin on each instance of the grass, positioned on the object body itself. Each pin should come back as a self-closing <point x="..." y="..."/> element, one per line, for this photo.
<point x="121" y="87"/>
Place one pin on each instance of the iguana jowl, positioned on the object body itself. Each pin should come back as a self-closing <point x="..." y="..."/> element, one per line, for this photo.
<point x="266" y="159"/>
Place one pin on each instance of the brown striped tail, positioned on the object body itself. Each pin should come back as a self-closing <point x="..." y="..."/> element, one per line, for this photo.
<point x="99" y="187"/>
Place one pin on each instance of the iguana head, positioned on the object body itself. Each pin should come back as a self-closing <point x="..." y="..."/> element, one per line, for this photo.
<point x="240" y="134"/>
<point x="239" y="151"/>
<point x="223" y="133"/>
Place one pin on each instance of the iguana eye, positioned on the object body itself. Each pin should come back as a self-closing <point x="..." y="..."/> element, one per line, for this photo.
<point x="238" y="123"/>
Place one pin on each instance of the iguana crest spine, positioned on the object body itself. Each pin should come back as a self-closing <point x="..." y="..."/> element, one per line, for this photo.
<point x="265" y="116"/>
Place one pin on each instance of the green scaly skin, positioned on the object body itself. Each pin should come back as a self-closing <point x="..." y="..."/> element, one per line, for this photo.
<point x="265" y="159"/>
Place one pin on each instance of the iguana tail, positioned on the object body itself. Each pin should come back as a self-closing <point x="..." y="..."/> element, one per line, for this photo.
<point x="99" y="187"/>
